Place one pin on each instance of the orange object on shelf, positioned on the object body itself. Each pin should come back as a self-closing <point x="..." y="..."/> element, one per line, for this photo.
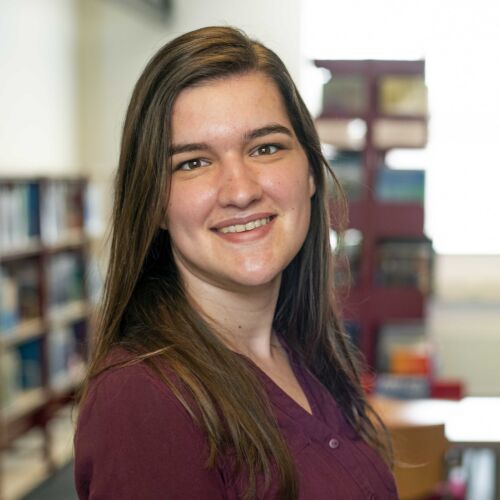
<point x="410" y="362"/>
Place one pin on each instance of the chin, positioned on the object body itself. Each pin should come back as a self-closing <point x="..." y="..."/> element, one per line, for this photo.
<point x="257" y="278"/>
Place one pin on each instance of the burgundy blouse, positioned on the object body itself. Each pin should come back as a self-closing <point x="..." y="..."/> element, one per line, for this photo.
<point x="135" y="441"/>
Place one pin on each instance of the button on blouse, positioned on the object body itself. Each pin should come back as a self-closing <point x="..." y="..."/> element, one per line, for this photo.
<point x="333" y="443"/>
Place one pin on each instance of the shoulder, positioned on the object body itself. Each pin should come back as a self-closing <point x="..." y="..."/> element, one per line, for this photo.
<point x="132" y="429"/>
<point x="126" y="386"/>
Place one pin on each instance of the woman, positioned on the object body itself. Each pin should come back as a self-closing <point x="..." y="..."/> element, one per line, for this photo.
<point x="220" y="368"/>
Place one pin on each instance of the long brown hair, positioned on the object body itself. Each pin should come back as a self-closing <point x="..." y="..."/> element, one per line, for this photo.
<point x="145" y="308"/>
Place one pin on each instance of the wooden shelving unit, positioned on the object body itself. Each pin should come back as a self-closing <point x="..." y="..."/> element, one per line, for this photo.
<point x="44" y="303"/>
<point x="355" y="118"/>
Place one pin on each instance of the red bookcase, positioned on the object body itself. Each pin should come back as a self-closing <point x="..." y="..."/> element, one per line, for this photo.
<point x="357" y="100"/>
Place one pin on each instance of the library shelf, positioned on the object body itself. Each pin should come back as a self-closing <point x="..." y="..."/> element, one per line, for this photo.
<point x="398" y="219"/>
<point x="356" y="214"/>
<point x="385" y="302"/>
<point x="24" y="404"/>
<point x="65" y="383"/>
<point x="22" y="332"/>
<point x="398" y="303"/>
<point x="70" y="312"/>
<point x="44" y="303"/>
<point x="369" y="108"/>
<point x="394" y="219"/>
<point x="70" y="241"/>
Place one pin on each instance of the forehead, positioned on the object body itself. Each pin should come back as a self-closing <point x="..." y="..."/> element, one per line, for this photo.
<point x="234" y="104"/>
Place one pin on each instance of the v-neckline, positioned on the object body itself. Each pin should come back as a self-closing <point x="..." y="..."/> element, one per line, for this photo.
<point x="284" y="400"/>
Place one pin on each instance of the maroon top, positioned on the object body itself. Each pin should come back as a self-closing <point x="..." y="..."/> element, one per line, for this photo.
<point x="135" y="441"/>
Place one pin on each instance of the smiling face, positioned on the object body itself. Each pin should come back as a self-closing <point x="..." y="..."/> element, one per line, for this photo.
<point x="239" y="206"/>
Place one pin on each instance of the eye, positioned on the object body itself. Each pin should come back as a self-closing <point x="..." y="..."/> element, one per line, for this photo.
<point x="266" y="149"/>
<point x="192" y="164"/>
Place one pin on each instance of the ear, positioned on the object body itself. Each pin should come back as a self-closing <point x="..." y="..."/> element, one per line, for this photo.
<point x="312" y="185"/>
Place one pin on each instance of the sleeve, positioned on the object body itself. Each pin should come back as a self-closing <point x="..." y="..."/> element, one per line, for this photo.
<point x="135" y="441"/>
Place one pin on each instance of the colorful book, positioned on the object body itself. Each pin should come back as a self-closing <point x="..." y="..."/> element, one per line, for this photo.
<point x="348" y="168"/>
<point x="402" y="95"/>
<point x="9" y="301"/>
<point x="405" y="263"/>
<point x="345" y="94"/>
<point x="402" y="386"/>
<point x="400" y="185"/>
<point x="392" y="336"/>
<point x="30" y="355"/>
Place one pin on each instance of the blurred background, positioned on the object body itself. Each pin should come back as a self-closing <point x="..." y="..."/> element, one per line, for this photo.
<point x="407" y="105"/>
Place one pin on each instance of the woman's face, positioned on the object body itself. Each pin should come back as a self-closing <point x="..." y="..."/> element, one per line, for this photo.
<point x="239" y="205"/>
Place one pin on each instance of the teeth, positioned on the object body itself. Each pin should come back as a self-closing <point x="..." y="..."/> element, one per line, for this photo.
<point x="240" y="228"/>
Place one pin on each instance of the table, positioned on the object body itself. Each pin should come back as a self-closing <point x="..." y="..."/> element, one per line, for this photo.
<point x="473" y="422"/>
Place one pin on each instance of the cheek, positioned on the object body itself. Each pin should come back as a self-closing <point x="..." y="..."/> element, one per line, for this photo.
<point x="292" y="187"/>
<point x="187" y="205"/>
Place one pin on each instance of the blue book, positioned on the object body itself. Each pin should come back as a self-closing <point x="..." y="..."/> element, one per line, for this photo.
<point x="30" y="354"/>
<point x="33" y="210"/>
<point x="400" y="185"/>
<point x="402" y="386"/>
<point x="9" y="301"/>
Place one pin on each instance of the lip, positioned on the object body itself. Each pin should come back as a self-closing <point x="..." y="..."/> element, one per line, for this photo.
<point x="246" y="237"/>
<point x="242" y="220"/>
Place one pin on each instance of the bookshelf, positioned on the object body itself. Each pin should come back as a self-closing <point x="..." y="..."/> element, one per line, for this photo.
<point x="370" y="108"/>
<point x="44" y="302"/>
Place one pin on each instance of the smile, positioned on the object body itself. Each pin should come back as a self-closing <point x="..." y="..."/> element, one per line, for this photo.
<point x="240" y="228"/>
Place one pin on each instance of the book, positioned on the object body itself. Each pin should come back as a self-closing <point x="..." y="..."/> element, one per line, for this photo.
<point x="65" y="278"/>
<point x="400" y="185"/>
<point x="348" y="251"/>
<point x="93" y="209"/>
<point x="9" y="300"/>
<point x="30" y="355"/>
<point x="27" y="278"/>
<point x="61" y="349"/>
<point x="345" y="94"/>
<point x="19" y="224"/>
<point x="392" y="336"/>
<point x="402" y="95"/>
<point x="353" y="330"/>
<point x="61" y="211"/>
<point x="348" y="168"/>
<point x="10" y="376"/>
<point x="411" y="360"/>
<point x="405" y="263"/>
<point x="402" y="386"/>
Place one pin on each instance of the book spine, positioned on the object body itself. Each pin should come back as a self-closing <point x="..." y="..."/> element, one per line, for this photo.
<point x="9" y="301"/>
<point x="10" y="376"/>
<point x="30" y="354"/>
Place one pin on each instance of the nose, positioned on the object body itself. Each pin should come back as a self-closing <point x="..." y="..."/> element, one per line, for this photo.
<point x="240" y="185"/>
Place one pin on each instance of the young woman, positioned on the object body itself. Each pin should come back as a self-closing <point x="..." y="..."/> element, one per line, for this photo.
<point x="220" y="368"/>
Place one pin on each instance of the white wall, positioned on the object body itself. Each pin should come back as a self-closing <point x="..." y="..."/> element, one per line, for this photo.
<point x="38" y="120"/>
<point x="464" y="321"/>
<point x="68" y="68"/>
<point x="117" y="41"/>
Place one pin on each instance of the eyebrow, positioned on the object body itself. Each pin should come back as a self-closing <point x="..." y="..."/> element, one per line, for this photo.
<point x="273" y="128"/>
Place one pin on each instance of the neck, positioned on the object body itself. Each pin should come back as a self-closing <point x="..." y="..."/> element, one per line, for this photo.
<point x="243" y="317"/>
